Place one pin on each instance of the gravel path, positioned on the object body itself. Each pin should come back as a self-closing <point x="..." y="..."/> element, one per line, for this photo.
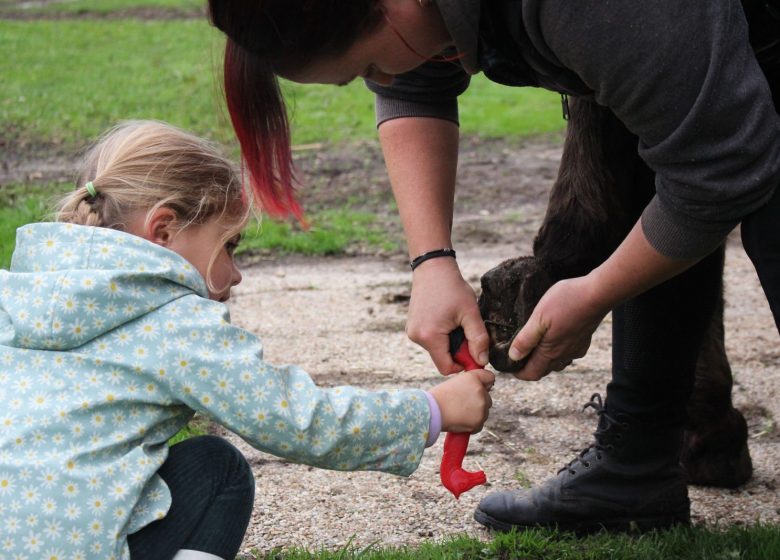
<point x="343" y="320"/>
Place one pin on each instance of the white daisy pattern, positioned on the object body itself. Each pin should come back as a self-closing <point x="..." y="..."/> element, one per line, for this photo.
<point x="108" y="346"/>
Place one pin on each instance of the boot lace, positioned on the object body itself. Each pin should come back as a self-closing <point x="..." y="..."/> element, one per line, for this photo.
<point x="606" y="422"/>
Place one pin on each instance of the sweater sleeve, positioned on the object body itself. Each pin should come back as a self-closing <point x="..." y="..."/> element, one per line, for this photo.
<point x="683" y="78"/>
<point x="430" y="90"/>
<point x="217" y="369"/>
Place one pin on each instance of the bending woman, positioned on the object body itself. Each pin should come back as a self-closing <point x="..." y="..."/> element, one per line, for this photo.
<point x="683" y="78"/>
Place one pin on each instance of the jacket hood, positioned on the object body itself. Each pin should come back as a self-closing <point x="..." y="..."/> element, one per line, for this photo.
<point x="69" y="284"/>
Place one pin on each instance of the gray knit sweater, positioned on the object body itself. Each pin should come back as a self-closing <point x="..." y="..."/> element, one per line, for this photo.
<point x="680" y="75"/>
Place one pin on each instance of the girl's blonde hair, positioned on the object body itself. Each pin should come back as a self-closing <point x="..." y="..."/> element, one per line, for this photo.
<point x="145" y="165"/>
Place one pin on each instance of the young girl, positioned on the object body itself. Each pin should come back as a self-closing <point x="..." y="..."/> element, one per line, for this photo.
<point x="114" y="332"/>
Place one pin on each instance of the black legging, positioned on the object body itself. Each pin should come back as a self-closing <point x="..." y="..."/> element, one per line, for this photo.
<point x="656" y="339"/>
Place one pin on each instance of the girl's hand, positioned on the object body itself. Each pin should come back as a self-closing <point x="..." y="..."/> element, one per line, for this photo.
<point x="559" y="329"/>
<point x="464" y="400"/>
<point x="441" y="301"/>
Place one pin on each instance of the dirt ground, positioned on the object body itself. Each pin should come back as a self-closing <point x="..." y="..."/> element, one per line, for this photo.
<point x="343" y="320"/>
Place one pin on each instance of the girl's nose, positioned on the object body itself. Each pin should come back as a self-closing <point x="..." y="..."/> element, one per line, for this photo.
<point x="236" y="277"/>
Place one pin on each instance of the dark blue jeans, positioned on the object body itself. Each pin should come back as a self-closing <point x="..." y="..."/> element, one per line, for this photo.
<point x="213" y="492"/>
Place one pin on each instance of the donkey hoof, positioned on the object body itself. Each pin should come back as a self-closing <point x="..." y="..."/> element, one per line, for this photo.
<point x="510" y="291"/>
<point x="718" y="455"/>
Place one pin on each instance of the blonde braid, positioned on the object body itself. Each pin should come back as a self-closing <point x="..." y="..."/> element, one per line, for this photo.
<point x="82" y="208"/>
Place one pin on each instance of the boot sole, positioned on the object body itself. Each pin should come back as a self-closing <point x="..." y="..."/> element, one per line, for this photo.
<point x="616" y="525"/>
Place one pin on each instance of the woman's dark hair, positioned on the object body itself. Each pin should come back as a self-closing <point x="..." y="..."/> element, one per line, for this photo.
<point x="266" y="37"/>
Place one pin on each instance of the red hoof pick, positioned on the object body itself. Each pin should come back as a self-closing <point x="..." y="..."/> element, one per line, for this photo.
<point x="453" y="476"/>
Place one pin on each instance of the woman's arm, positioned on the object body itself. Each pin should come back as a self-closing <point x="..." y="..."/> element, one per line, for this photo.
<point x="687" y="84"/>
<point x="422" y="155"/>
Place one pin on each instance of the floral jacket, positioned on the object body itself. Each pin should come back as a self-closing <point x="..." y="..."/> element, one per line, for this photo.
<point x="108" y="346"/>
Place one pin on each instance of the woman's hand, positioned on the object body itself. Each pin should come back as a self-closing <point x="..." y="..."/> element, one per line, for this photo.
<point x="559" y="329"/>
<point x="441" y="301"/>
<point x="464" y="400"/>
<point x="561" y="326"/>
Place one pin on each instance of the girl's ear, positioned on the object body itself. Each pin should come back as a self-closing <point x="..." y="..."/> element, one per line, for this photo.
<point x="161" y="226"/>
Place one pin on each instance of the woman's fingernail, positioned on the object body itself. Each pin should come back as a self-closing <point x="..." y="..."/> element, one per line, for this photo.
<point x="483" y="358"/>
<point x="514" y="355"/>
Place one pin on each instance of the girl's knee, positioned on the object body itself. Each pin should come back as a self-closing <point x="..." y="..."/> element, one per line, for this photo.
<point x="217" y="457"/>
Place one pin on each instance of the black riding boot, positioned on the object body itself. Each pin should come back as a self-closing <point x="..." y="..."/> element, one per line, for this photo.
<point x="628" y="479"/>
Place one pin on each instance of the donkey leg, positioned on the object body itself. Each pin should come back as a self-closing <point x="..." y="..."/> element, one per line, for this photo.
<point x="715" y="449"/>
<point x="584" y="222"/>
<point x="589" y="211"/>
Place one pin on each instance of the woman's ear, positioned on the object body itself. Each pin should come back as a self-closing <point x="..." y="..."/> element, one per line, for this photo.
<point x="161" y="226"/>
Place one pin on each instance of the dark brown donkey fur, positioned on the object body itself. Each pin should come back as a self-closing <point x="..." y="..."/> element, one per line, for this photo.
<point x="601" y="189"/>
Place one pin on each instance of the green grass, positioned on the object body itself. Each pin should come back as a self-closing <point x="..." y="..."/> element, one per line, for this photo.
<point x="65" y="81"/>
<point x="198" y="426"/>
<point x="330" y="231"/>
<point x="21" y="204"/>
<point x="522" y="479"/>
<point x="10" y="219"/>
<point x="101" y="7"/>
<point x="734" y="543"/>
<point x="492" y="110"/>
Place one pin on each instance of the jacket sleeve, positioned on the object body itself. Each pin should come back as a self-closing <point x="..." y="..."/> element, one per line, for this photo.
<point x="217" y="369"/>
<point x="683" y="78"/>
<point x="431" y="90"/>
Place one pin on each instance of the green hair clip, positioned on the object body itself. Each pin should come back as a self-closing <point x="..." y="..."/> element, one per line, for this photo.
<point x="91" y="189"/>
